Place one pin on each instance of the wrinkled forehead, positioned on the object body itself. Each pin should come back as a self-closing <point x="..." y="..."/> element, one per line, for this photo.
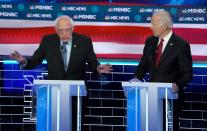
<point x="156" y="20"/>
<point x="63" y="23"/>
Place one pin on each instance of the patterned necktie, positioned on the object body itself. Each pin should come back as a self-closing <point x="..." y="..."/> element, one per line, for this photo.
<point x="159" y="52"/>
<point x="64" y="55"/>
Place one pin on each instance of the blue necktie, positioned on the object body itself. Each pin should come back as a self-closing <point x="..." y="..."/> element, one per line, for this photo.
<point x="64" y="55"/>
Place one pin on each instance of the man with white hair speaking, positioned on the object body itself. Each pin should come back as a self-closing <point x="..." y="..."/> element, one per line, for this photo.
<point x="66" y="53"/>
<point x="167" y="58"/>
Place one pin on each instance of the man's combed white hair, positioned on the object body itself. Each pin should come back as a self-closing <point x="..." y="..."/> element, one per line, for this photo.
<point x="64" y="17"/>
<point x="165" y="18"/>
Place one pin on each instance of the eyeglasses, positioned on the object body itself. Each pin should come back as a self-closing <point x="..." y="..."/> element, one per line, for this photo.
<point x="66" y="30"/>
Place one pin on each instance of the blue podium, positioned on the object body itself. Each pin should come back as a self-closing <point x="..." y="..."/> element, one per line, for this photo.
<point x="54" y="99"/>
<point x="145" y="105"/>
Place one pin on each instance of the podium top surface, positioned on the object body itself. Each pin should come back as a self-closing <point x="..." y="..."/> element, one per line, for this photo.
<point x="77" y="87"/>
<point x="147" y="84"/>
<point x="60" y="82"/>
<point x="152" y="88"/>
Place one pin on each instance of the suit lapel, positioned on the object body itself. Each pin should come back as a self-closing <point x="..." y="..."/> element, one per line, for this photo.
<point x="154" y="47"/>
<point x="58" y="52"/>
<point x="167" y="50"/>
<point x="59" y="55"/>
<point x="72" y="53"/>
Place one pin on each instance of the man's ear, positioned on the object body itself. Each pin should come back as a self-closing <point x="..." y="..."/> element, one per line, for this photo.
<point x="165" y="27"/>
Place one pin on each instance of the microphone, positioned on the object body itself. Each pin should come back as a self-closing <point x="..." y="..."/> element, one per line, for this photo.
<point x="61" y="47"/>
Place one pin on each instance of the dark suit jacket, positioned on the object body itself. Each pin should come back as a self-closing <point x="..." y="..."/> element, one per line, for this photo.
<point x="81" y="52"/>
<point x="175" y="63"/>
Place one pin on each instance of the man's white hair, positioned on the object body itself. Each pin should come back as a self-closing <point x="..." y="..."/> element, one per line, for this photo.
<point x="66" y="17"/>
<point x="165" y="18"/>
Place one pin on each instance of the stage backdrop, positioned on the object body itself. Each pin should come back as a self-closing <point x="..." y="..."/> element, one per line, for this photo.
<point x="118" y="30"/>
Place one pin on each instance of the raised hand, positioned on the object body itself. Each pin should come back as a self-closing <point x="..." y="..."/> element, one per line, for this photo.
<point x="104" y="68"/>
<point x="175" y="88"/>
<point x="18" y="57"/>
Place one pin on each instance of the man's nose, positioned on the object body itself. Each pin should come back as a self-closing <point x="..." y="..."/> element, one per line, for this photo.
<point x="65" y="33"/>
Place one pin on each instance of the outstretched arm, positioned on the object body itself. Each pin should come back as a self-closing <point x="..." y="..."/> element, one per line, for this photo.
<point x="18" y="57"/>
<point x="104" y="68"/>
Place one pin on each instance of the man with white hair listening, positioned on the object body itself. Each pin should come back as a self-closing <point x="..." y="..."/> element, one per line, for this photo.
<point x="167" y="58"/>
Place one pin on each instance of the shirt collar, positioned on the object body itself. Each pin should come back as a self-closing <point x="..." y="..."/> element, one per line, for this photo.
<point x="167" y="37"/>
<point x="69" y="42"/>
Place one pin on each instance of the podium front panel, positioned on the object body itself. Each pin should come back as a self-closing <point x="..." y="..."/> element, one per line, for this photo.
<point x="145" y="106"/>
<point x="54" y="104"/>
